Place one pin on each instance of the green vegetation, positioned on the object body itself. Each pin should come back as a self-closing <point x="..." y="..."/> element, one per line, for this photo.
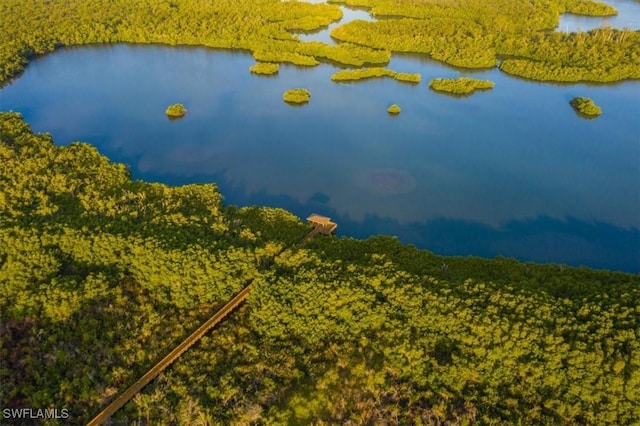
<point x="374" y="72"/>
<point x="101" y="276"/>
<point x="32" y="27"/>
<point x="460" y="85"/>
<point x="394" y="109"/>
<point x="407" y="77"/>
<point x="265" y="68"/>
<point x="473" y="33"/>
<point x="585" y="106"/>
<point x="466" y="33"/>
<point x="362" y="74"/>
<point x="176" y="110"/>
<point x="296" y="96"/>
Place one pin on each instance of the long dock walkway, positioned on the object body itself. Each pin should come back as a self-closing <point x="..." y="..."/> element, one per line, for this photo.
<point x="321" y="224"/>
<point x="117" y="403"/>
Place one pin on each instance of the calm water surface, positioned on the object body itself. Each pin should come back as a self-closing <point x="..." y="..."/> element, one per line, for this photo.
<point x="511" y="171"/>
<point x="348" y="14"/>
<point x="628" y="17"/>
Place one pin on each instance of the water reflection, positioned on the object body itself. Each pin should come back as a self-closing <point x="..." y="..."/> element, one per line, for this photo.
<point x="565" y="240"/>
<point x="446" y="174"/>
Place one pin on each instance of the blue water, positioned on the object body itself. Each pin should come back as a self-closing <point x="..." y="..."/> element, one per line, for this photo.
<point x="628" y="17"/>
<point x="348" y="14"/>
<point x="512" y="171"/>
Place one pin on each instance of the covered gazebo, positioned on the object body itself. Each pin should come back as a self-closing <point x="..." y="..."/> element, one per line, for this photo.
<point x="322" y="223"/>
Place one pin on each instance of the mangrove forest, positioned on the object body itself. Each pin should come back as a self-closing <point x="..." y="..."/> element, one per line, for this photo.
<point x="585" y="106"/>
<point x="103" y="275"/>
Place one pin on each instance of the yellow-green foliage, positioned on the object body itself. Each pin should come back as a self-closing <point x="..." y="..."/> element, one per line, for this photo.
<point x="296" y="96"/>
<point x="265" y="68"/>
<point x="29" y="27"/>
<point x="589" y="8"/>
<point x="601" y="55"/>
<point x="394" y="109"/>
<point x="465" y="33"/>
<point x="585" y="106"/>
<point x="362" y="74"/>
<point x="345" y="53"/>
<point x="407" y="77"/>
<point x="460" y="86"/>
<point x="102" y="276"/>
<point x="284" y="56"/>
<point x="472" y="33"/>
<point x="374" y="72"/>
<point x="176" y="110"/>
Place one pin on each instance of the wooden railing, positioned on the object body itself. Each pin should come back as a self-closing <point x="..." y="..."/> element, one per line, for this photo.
<point x="116" y="404"/>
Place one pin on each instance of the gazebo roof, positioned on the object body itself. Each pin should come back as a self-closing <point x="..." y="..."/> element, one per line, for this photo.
<point x="322" y="220"/>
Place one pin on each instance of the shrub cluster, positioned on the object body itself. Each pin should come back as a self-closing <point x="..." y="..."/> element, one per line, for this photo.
<point x="265" y="68"/>
<point x="394" y="109"/>
<point x="374" y="72"/>
<point x="460" y="86"/>
<point x="176" y="110"/>
<point x="296" y="96"/>
<point x="103" y="275"/>
<point x="585" y="106"/>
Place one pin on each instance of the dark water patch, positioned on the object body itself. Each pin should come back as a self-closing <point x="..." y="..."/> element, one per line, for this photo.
<point x="446" y="174"/>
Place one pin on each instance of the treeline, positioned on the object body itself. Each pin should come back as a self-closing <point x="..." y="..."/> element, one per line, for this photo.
<point x="374" y="72"/>
<point x="549" y="9"/>
<point x="455" y="41"/>
<point x="395" y="333"/>
<point x="465" y="33"/>
<point x="476" y="33"/>
<point x="102" y="275"/>
<point x="460" y="85"/>
<point x="602" y="55"/>
<point x="33" y="27"/>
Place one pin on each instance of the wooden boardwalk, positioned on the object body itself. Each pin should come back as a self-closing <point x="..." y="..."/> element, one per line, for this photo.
<point x="321" y="224"/>
<point x="116" y="404"/>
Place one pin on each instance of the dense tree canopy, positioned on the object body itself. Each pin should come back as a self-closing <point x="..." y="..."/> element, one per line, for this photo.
<point x="477" y="33"/>
<point x="102" y="275"/>
<point x="264" y="27"/>
<point x="374" y="72"/>
<point x="176" y="110"/>
<point x="296" y="96"/>
<point x="460" y="85"/>
<point x="585" y="106"/>
<point x="466" y="33"/>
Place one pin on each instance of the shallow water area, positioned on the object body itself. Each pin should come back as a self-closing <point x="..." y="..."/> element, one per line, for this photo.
<point x="511" y="171"/>
<point x="628" y="17"/>
<point x="348" y="15"/>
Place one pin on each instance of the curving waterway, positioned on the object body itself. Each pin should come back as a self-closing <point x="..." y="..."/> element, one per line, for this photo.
<point x="348" y="14"/>
<point x="628" y="17"/>
<point x="512" y="171"/>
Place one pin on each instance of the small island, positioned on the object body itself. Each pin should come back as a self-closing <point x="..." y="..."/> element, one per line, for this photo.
<point x="394" y="109"/>
<point x="585" y="107"/>
<point x="265" y="68"/>
<point x="460" y="86"/>
<point x="362" y="74"/>
<point x="374" y="72"/>
<point x="407" y="77"/>
<point x="296" y="96"/>
<point x="176" y="110"/>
